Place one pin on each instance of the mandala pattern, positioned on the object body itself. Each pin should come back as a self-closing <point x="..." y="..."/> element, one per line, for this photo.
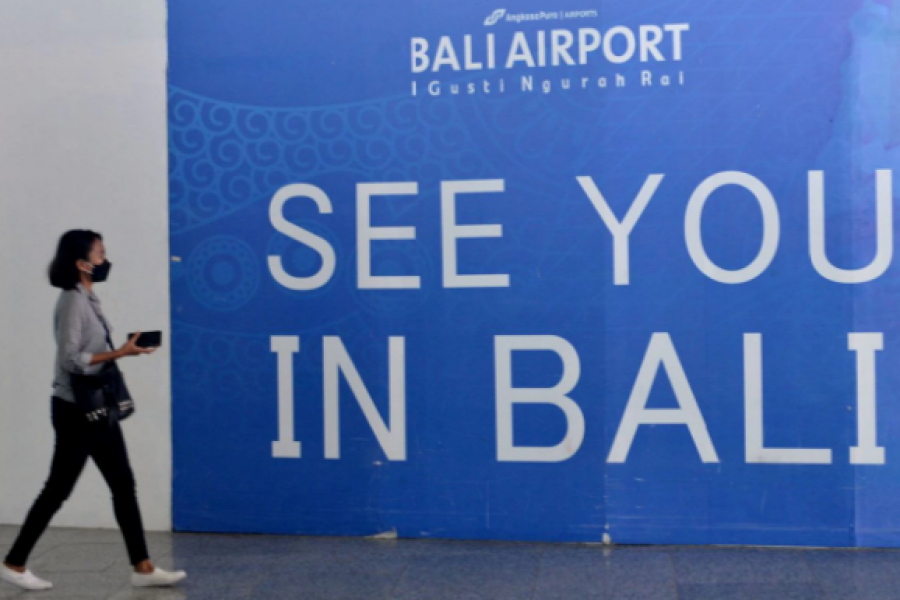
<point x="223" y="273"/>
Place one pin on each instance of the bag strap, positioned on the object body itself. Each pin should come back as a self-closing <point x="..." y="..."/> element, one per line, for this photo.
<point x="108" y="337"/>
<point x="102" y="322"/>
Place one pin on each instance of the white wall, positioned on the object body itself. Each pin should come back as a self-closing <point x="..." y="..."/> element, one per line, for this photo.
<point x="82" y="145"/>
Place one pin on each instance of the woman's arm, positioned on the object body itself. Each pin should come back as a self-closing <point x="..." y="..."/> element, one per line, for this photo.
<point x="129" y="349"/>
<point x="100" y="357"/>
<point x="69" y="339"/>
<point x="68" y="334"/>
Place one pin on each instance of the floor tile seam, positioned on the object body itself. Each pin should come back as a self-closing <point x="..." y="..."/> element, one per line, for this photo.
<point x="73" y="543"/>
<point x="119" y="593"/>
<point x="675" y="581"/>
<point x="161" y="555"/>
<point x="118" y="590"/>
<point x="254" y="581"/>
<point x="110" y="568"/>
<point x="396" y="585"/>
<point x="537" y="577"/>
<point x="51" y="568"/>
<point x="258" y="579"/>
<point x="39" y="553"/>
<point x="815" y="577"/>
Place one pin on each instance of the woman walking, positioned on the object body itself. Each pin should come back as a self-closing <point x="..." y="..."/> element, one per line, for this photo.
<point x="81" y="333"/>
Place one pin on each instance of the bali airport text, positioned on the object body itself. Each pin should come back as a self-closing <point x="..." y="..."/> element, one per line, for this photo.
<point x="555" y="49"/>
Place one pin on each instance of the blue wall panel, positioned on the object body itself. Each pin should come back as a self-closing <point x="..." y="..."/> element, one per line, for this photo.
<point x="762" y="96"/>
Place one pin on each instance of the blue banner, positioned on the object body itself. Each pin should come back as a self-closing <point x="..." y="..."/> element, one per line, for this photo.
<point x="619" y="271"/>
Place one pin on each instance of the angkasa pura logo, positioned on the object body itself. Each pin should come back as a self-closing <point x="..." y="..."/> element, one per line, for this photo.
<point x="495" y="16"/>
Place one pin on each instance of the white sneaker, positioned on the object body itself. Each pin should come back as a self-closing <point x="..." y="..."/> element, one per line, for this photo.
<point x="158" y="578"/>
<point x="26" y="580"/>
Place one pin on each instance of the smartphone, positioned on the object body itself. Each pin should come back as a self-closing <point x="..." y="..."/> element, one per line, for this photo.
<point x="148" y="339"/>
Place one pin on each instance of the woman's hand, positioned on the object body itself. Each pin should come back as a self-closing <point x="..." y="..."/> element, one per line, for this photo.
<point x="132" y="349"/>
<point x="129" y="349"/>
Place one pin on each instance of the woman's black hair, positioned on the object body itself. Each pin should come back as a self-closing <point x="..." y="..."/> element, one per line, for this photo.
<point x="73" y="246"/>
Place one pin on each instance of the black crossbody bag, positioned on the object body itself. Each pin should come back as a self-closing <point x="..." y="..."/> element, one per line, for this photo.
<point x="103" y="396"/>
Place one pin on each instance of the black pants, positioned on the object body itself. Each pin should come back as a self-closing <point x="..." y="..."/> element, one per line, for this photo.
<point x="76" y="440"/>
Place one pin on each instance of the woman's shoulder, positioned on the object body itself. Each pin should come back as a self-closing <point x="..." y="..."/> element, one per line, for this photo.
<point x="71" y="298"/>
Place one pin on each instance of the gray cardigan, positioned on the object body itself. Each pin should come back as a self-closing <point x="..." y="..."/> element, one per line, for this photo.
<point x="79" y="335"/>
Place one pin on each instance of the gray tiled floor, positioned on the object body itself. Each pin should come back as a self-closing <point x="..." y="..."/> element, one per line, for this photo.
<point x="86" y="563"/>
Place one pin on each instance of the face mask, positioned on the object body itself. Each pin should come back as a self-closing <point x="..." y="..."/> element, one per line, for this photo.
<point x="100" y="272"/>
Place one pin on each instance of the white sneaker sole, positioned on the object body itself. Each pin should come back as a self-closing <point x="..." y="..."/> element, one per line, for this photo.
<point x="161" y="582"/>
<point x="42" y="587"/>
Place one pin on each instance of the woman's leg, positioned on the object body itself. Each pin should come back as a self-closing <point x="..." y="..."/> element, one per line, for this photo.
<point x="111" y="457"/>
<point x="69" y="457"/>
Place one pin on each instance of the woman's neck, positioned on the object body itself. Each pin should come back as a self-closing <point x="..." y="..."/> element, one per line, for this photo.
<point x="86" y="281"/>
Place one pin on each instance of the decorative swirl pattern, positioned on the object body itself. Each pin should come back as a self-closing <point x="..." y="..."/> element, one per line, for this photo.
<point x="223" y="273"/>
<point x="225" y="156"/>
<point x="210" y="366"/>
